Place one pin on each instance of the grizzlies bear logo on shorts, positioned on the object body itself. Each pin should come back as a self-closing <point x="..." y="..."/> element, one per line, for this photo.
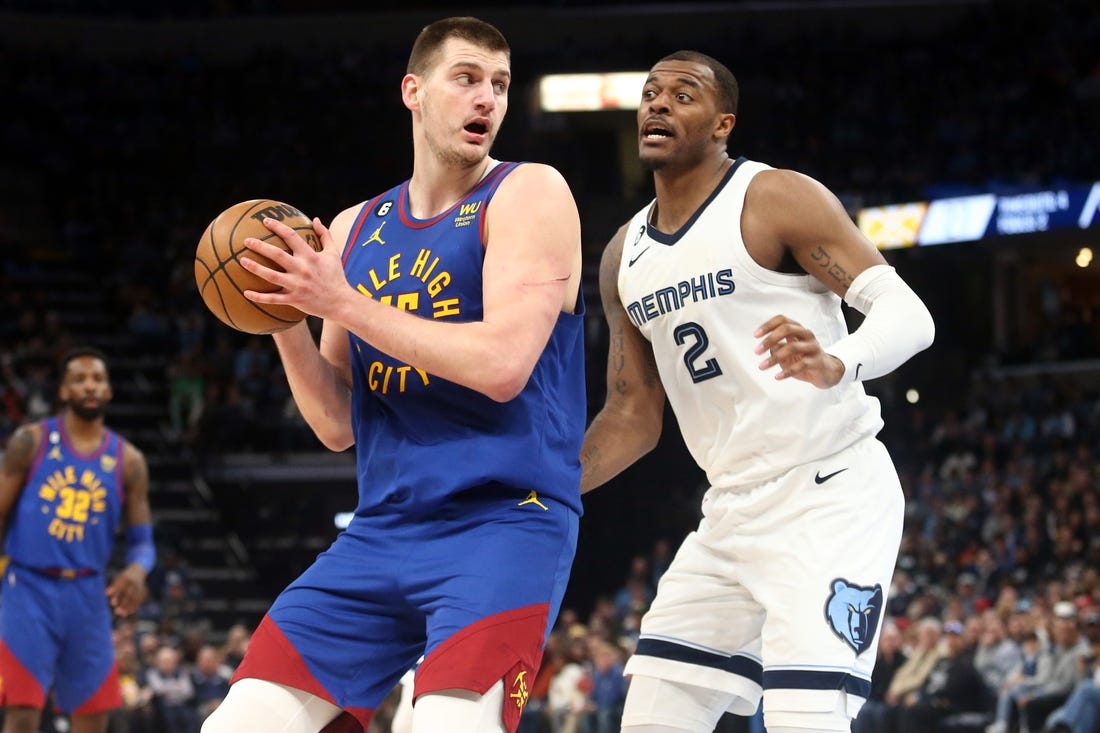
<point x="853" y="613"/>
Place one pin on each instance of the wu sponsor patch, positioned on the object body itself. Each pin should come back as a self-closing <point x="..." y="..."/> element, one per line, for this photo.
<point x="853" y="613"/>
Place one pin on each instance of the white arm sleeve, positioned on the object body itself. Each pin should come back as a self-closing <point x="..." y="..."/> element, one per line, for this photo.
<point x="897" y="325"/>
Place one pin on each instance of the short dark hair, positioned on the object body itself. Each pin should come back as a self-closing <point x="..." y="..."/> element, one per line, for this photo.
<point x="728" y="91"/>
<point x="78" y="352"/>
<point x="464" y="28"/>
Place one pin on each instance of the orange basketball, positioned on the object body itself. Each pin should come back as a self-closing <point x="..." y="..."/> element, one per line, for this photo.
<point x="220" y="277"/>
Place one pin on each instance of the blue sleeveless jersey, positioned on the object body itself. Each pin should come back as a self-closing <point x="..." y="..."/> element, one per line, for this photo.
<point x="70" y="506"/>
<point x="419" y="438"/>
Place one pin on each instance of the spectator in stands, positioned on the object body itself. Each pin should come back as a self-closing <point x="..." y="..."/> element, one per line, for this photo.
<point x="236" y="644"/>
<point x="1081" y="712"/>
<point x="210" y="678"/>
<point x="923" y="655"/>
<point x="953" y="686"/>
<point x="996" y="655"/>
<point x="173" y="693"/>
<point x="608" y="688"/>
<point x="1033" y="667"/>
<point x="1068" y="648"/>
<point x="567" y="698"/>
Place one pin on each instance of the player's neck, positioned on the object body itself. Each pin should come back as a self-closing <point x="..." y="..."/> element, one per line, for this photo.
<point x="680" y="192"/>
<point x="85" y="434"/>
<point x="437" y="185"/>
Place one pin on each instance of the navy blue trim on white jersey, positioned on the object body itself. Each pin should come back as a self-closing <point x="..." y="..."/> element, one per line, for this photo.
<point x="813" y="679"/>
<point x="670" y="239"/>
<point x="737" y="664"/>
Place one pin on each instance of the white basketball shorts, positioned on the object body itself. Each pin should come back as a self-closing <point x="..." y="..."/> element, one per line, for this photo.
<point x="781" y="588"/>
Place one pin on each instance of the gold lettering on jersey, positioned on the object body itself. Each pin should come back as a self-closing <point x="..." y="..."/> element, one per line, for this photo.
<point x="74" y="499"/>
<point x="445" y="308"/>
<point x="385" y="378"/>
<point x="467" y="213"/>
<point x="418" y="266"/>
<point x="391" y="378"/>
<point x="405" y="301"/>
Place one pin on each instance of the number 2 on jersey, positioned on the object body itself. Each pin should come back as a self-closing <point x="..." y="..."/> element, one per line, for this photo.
<point x="709" y="368"/>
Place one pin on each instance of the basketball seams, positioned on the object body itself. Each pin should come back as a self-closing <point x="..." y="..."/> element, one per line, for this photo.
<point x="223" y="274"/>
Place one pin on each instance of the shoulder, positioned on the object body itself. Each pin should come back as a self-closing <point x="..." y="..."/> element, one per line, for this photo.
<point x="134" y="464"/>
<point x="22" y="445"/>
<point x="611" y="260"/>
<point x="527" y="178"/>
<point x="534" y="196"/>
<point x="778" y="185"/>
<point x="613" y="252"/>
<point x="342" y="223"/>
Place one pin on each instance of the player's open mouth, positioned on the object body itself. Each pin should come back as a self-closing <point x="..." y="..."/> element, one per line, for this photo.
<point x="479" y="128"/>
<point x="655" y="132"/>
<point x="655" y="129"/>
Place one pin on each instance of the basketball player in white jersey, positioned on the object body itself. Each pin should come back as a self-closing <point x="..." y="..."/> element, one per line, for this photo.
<point x="725" y="295"/>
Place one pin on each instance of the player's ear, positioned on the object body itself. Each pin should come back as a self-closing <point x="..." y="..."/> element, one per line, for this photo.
<point x="410" y="89"/>
<point x="725" y="125"/>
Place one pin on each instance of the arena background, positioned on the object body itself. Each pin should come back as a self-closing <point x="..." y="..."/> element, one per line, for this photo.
<point x="128" y="126"/>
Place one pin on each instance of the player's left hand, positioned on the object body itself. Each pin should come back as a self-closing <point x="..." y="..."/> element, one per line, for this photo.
<point x="127" y="591"/>
<point x="797" y="352"/>
<point x="311" y="280"/>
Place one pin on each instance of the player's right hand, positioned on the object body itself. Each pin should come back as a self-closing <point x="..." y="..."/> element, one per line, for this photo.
<point x="798" y="353"/>
<point x="127" y="591"/>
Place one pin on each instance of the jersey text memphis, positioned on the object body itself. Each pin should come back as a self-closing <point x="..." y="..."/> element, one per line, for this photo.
<point x="70" y="506"/>
<point x="420" y="438"/>
<point x="698" y="297"/>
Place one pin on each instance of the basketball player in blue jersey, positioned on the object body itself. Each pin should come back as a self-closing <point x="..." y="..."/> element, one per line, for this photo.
<point x="725" y="295"/>
<point x="66" y="484"/>
<point x="451" y="356"/>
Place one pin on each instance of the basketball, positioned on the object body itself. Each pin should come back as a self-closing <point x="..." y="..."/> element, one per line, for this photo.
<point x="222" y="280"/>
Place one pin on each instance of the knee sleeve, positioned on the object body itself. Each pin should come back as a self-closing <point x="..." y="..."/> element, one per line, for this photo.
<point x="660" y="706"/>
<point x="460" y="711"/>
<point x="259" y="706"/>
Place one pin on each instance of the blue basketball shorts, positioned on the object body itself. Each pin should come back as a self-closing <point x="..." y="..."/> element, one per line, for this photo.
<point x="56" y="633"/>
<point x="474" y="588"/>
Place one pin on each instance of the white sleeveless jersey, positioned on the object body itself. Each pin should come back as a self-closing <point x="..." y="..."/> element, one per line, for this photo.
<point x="698" y="297"/>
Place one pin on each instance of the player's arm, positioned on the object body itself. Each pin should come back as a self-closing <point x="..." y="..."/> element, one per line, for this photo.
<point x="320" y="376"/>
<point x="127" y="590"/>
<point x="629" y="424"/>
<point x="804" y="217"/>
<point x="22" y="445"/>
<point x="531" y="273"/>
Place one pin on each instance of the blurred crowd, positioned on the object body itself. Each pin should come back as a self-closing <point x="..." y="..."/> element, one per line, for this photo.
<point x="113" y="167"/>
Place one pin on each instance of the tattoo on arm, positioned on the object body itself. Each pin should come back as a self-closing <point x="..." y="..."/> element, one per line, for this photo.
<point x="20" y="451"/>
<point x="833" y="269"/>
<point x="590" y="461"/>
<point x="616" y="357"/>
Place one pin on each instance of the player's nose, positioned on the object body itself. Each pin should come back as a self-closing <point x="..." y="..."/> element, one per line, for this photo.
<point x="486" y="99"/>
<point x="658" y="102"/>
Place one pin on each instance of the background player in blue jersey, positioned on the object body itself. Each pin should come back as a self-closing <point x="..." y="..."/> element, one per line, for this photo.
<point x="66" y="484"/>
<point x="725" y="295"/>
<point x="451" y="357"/>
